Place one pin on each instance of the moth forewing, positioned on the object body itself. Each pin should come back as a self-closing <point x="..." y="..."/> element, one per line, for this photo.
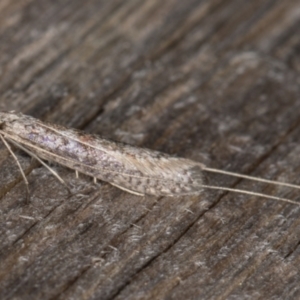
<point x="138" y="170"/>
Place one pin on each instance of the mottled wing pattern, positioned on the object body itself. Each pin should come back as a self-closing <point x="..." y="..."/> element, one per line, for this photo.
<point x="134" y="169"/>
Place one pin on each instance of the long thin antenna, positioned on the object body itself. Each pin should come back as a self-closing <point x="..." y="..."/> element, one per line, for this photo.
<point x="250" y="177"/>
<point x="19" y="166"/>
<point x="249" y="193"/>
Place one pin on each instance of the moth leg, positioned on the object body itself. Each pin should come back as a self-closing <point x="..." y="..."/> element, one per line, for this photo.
<point x="76" y="174"/>
<point x="19" y="166"/>
<point x="95" y="180"/>
<point x="129" y="191"/>
<point x="43" y="163"/>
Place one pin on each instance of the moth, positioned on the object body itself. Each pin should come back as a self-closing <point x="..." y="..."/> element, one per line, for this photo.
<point x="136" y="170"/>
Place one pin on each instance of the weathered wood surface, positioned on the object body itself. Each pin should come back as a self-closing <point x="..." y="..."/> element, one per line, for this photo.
<point x="214" y="81"/>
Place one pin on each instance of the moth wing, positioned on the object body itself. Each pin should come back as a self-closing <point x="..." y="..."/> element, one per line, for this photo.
<point x="150" y="162"/>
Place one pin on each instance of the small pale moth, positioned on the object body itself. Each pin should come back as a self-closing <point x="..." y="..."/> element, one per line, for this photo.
<point x="136" y="170"/>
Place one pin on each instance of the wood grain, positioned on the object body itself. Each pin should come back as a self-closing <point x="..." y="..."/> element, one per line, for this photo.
<point x="213" y="81"/>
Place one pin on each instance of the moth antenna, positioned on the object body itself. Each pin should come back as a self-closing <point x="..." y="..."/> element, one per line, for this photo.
<point x="245" y="192"/>
<point x="127" y="190"/>
<point x="250" y="177"/>
<point x="43" y="163"/>
<point x="19" y="166"/>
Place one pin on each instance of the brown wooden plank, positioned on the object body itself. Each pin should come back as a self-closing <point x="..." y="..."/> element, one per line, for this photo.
<point x="213" y="81"/>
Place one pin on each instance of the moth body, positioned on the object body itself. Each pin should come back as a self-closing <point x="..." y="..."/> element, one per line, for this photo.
<point x="137" y="170"/>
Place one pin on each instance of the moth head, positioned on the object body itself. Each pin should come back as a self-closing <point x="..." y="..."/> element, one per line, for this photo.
<point x="7" y="118"/>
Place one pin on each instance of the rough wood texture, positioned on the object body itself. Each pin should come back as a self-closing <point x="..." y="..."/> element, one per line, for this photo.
<point x="214" y="81"/>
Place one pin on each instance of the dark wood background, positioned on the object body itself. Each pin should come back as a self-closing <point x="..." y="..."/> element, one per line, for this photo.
<point x="214" y="81"/>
